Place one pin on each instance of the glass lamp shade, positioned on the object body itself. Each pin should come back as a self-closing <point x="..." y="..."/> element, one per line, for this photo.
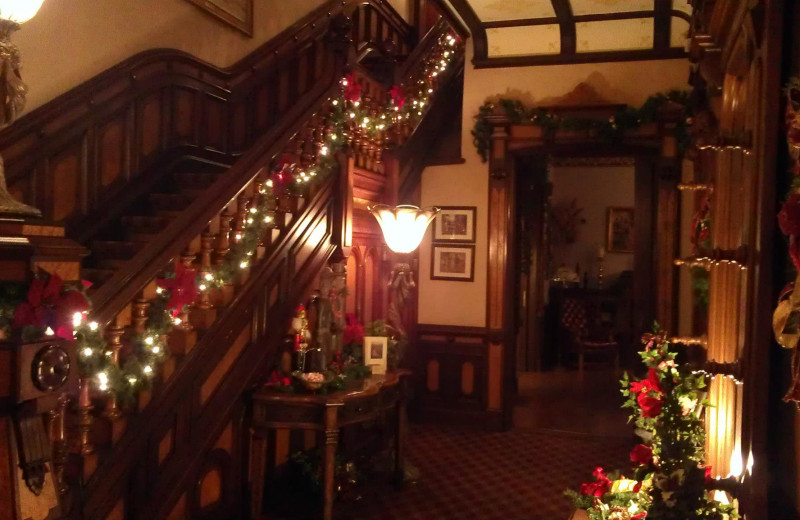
<point x="19" y="11"/>
<point x="403" y="226"/>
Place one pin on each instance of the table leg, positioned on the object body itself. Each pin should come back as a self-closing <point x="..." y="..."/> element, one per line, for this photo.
<point x="400" y="444"/>
<point x="258" y="461"/>
<point x="331" y="443"/>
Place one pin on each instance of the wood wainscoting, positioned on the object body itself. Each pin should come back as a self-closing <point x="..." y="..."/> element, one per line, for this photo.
<point x="458" y="377"/>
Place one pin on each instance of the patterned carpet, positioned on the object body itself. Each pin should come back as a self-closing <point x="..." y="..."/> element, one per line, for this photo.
<point x="468" y="475"/>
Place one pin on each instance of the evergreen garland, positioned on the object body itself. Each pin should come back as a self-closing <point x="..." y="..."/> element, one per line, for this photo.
<point x="612" y="130"/>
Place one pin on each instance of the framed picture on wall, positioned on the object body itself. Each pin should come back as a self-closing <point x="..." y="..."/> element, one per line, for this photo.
<point x="620" y="230"/>
<point x="237" y="13"/>
<point x="453" y="262"/>
<point x="455" y="224"/>
<point x="376" y="352"/>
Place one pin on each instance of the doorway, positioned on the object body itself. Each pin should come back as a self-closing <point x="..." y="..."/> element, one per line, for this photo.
<point x="585" y="233"/>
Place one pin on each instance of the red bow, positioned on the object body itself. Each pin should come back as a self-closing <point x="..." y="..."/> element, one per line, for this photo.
<point x="352" y="90"/>
<point x="182" y="289"/>
<point x="397" y="96"/>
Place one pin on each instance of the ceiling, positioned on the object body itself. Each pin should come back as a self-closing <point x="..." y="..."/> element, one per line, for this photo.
<point x="539" y="32"/>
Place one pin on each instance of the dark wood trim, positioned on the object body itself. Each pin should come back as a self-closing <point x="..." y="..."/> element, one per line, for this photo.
<point x="599" y="17"/>
<point x="451" y="331"/>
<point x="467" y="13"/>
<point x="581" y="57"/>
<point x="662" y="23"/>
<point x="566" y="22"/>
<point x="452" y="18"/>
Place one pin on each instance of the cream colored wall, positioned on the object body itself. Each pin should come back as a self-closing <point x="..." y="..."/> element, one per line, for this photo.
<point x="70" y="41"/>
<point x="463" y="303"/>
<point x="595" y="189"/>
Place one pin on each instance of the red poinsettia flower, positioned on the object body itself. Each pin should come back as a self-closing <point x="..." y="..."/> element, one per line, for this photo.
<point x="642" y="455"/>
<point x="641" y="515"/>
<point x="652" y="383"/>
<point x="789" y="216"/>
<point x="353" y="331"/>
<point x="398" y="97"/>
<point x="278" y="379"/>
<point x="182" y="289"/>
<point x="599" y="487"/>
<point x="49" y="305"/>
<point x="352" y="90"/>
<point x="637" y="487"/>
<point x="651" y="406"/>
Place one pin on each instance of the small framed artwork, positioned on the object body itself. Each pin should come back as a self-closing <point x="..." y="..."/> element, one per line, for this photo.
<point x="455" y="224"/>
<point x="237" y="13"/>
<point x="375" y="353"/>
<point x="620" y="230"/>
<point x="455" y="263"/>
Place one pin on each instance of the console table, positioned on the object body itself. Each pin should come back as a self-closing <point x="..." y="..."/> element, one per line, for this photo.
<point x="363" y="401"/>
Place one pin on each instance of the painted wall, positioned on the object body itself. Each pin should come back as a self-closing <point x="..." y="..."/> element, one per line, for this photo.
<point x="464" y="303"/>
<point x="70" y="41"/>
<point x="595" y="189"/>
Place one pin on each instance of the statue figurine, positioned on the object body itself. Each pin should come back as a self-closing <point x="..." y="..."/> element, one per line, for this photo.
<point x="301" y="336"/>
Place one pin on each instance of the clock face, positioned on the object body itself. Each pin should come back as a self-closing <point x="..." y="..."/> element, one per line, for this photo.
<point x="50" y="368"/>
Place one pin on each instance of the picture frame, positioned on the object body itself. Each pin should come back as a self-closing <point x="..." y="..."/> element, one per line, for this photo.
<point x="453" y="262"/>
<point x="376" y="353"/>
<point x="455" y="224"/>
<point x="236" y="13"/>
<point x="620" y="230"/>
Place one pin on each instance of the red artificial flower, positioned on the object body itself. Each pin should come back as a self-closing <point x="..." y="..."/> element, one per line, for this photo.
<point x="182" y="289"/>
<point x="637" y="487"/>
<point x="276" y="379"/>
<point x="641" y="515"/>
<point x="599" y="487"/>
<point x="353" y="331"/>
<point x="398" y="97"/>
<point x="49" y="305"/>
<point x="708" y="475"/>
<point x="651" y="406"/>
<point x="642" y="455"/>
<point x="352" y="90"/>
<point x="652" y="383"/>
<point x="789" y="216"/>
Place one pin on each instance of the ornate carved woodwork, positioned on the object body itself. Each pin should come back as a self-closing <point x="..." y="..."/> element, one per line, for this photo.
<point x="737" y="50"/>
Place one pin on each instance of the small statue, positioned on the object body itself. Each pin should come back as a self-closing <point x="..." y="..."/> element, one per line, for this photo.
<point x="301" y="336"/>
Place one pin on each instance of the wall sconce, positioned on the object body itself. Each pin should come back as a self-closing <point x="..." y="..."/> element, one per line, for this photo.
<point x="403" y="228"/>
<point x="13" y="13"/>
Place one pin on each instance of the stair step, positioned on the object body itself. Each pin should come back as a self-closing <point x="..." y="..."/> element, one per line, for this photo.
<point x="170" y="201"/>
<point x="114" y="249"/>
<point x="194" y="181"/>
<point x="145" y="224"/>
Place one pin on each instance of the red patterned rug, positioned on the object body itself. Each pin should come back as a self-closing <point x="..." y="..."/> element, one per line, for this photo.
<point x="467" y="475"/>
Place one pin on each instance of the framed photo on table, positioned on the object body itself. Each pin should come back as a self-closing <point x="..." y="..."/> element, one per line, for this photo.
<point x="620" y="230"/>
<point x="455" y="224"/>
<point x="376" y="352"/>
<point x="453" y="262"/>
<point x="237" y="13"/>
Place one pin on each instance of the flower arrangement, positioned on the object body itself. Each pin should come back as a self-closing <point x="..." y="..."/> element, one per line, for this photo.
<point x="670" y="480"/>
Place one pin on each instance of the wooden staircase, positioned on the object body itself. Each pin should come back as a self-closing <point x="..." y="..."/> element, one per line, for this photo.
<point x="177" y="451"/>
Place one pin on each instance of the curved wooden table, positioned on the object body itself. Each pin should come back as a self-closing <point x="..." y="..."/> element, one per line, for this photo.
<point x="361" y="402"/>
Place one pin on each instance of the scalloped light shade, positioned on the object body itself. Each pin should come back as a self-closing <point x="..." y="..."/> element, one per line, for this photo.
<point x="403" y="226"/>
<point x="19" y="11"/>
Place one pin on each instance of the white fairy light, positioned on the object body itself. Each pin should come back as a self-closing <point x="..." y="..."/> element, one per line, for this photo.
<point x="148" y="369"/>
<point x="49" y="332"/>
<point x="102" y="379"/>
<point x="209" y="277"/>
<point x="243" y="265"/>
<point x="253" y="210"/>
<point x="156" y="349"/>
<point x="132" y="380"/>
<point x="249" y="221"/>
<point x="335" y="102"/>
<point x="344" y="82"/>
<point x="93" y="325"/>
<point x="334" y="137"/>
<point x="323" y="150"/>
<point x="88" y="352"/>
<point x="159" y="290"/>
<point x="149" y="340"/>
<point x="366" y="120"/>
<point x="177" y="321"/>
<point x="269" y="183"/>
<point x="352" y="115"/>
<point x="202" y="287"/>
<point x="77" y="318"/>
<point x="268" y="219"/>
<point x="356" y="103"/>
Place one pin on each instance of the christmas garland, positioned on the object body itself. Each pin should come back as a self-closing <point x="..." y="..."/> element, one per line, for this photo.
<point x="612" y="130"/>
<point x="669" y="478"/>
<point x="179" y="288"/>
<point x="786" y="317"/>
